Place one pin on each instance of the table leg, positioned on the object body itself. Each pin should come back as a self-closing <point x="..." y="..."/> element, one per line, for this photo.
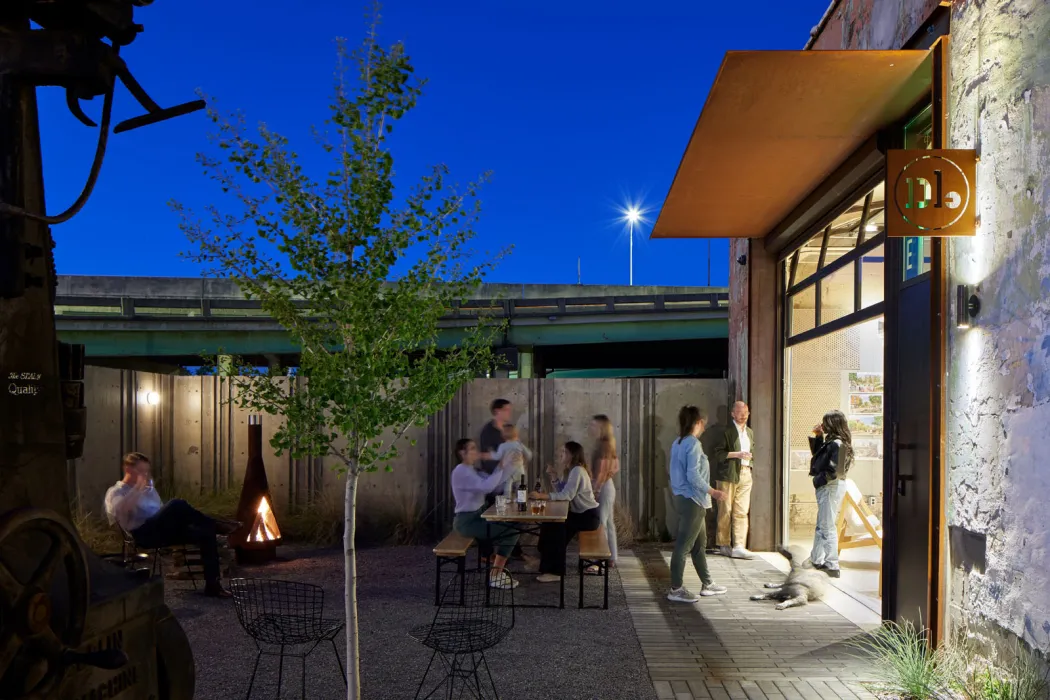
<point x="488" y="563"/>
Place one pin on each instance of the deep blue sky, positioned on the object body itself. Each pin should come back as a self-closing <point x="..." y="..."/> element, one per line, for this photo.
<point x="575" y="106"/>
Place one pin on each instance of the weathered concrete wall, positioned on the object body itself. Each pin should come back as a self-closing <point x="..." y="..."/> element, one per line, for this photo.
<point x="998" y="395"/>
<point x="873" y="24"/>
<point x="198" y="441"/>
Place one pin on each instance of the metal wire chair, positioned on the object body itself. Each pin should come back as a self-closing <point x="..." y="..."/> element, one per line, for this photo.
<point x="464" y="627"/>
<point x="283" y="614"/>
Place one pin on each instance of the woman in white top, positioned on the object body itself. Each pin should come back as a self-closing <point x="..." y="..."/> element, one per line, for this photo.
<point x="583" y="513"/>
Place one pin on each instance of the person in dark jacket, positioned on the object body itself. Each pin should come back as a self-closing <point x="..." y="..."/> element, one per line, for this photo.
<point x="832" y="448"/>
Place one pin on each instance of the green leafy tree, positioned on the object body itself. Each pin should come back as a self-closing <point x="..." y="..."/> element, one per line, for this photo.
<point x="357" y="276"/>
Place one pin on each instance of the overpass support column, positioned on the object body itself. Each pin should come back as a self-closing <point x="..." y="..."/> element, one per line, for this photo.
<point x="525" y="362"/>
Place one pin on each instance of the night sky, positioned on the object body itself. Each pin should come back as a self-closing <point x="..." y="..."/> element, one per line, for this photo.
<point x="575" y="106"/>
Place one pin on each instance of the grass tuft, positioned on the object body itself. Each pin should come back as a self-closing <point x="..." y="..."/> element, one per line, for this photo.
<point x="905" y="665"/>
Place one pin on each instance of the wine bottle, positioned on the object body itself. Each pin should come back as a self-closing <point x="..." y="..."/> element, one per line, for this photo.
<point x="523" y="495"/>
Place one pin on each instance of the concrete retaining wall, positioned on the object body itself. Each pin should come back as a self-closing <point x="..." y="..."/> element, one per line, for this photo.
<point x="198" y="441"/>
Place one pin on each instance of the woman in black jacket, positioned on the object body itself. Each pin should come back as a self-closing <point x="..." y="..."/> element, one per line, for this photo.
<point x="832" y="448"/>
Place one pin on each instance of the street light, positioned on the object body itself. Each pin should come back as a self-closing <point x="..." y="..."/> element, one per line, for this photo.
<point x="633" y="216"/>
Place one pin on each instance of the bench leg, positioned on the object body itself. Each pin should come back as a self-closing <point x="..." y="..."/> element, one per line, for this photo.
<point x="582" y="567"/>
<point x="605" y="604"/>
<point x="437" y="582"/>
<point x="462" y="570"/>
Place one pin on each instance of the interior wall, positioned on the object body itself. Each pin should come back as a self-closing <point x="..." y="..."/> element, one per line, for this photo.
<point x="998" y="389"/>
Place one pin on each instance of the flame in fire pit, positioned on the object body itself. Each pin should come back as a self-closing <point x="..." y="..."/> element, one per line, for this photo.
<point x="265" y="528"/>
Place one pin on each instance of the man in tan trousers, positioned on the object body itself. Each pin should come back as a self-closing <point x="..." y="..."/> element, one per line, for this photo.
<point x="732" y="459"/>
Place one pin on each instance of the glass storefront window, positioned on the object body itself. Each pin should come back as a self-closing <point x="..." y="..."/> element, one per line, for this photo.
<point x="872" y="277"/>
<point x="837" y="294"/>
<point x="841" y="370"/>
<point x="803" y="311"/>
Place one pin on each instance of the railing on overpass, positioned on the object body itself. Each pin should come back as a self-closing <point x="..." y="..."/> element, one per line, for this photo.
<point x="126" y="308"/>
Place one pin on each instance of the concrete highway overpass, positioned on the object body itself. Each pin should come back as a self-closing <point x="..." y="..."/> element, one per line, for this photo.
<point x="163" y="323"/>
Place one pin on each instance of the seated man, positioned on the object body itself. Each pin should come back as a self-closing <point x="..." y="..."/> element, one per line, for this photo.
<point x="135" y="505"/>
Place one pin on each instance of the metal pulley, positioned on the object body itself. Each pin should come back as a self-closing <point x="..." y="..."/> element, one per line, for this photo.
<point x="44" y="596"/>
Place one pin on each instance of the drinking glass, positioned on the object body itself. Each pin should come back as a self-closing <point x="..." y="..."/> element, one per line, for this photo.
<point x="501" y="505"/>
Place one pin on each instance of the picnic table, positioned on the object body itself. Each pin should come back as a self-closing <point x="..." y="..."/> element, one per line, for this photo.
<point x="554" y="512"/>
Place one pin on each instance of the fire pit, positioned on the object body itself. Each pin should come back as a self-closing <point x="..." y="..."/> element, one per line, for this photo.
<point x="256" y="542"/>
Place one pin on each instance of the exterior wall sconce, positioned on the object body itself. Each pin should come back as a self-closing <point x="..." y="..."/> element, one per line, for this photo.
<point x="152" y="398"/>
<point x="967" y="306"/>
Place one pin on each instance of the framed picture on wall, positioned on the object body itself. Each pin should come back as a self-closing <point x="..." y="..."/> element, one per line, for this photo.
<point x="868" y="447"/>
<point x="800" y="460"/>
<point x="865" y="404"/>
<point x="865" y="425"/>
<point x="865" y="383"/>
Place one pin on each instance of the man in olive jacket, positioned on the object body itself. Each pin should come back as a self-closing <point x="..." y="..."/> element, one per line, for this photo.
<point x="732" y="460"/>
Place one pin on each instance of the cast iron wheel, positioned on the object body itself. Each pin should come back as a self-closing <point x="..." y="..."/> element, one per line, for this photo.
<point x="44" y="595"/>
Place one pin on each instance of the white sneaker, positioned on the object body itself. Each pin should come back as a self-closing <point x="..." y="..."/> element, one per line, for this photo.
<point x="712" y="589"/>
<point x="502" y="580"/>
<point x="682" y="595"/>
<point x="741" y="553"/>
<point x="548" y="578"/>
<point x="725" y="550"/>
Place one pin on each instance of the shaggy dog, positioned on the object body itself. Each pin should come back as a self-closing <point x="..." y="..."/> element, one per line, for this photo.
<point x="801" y="585"/>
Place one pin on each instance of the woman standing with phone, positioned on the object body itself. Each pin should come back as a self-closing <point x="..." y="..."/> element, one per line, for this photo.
<point x="832" y="447"/>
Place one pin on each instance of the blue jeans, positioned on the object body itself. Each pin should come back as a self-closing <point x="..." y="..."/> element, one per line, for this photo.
<point x="826" y="538"/>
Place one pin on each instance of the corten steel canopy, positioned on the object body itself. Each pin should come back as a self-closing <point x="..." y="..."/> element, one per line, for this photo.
<point x="775" y="125"/>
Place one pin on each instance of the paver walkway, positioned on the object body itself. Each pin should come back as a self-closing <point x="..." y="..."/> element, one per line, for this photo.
<point x="731" y="647"/>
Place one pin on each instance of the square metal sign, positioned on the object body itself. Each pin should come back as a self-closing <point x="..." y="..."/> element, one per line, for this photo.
<point x="931" y="192"/>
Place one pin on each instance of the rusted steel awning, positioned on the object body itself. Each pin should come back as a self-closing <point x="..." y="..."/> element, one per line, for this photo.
<point x="775" y="125"/>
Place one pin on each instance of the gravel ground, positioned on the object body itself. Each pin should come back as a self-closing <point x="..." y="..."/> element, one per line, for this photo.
<point x="564" y="654"/>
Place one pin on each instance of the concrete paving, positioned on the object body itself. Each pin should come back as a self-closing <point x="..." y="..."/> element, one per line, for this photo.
<point x="729" y="647"/>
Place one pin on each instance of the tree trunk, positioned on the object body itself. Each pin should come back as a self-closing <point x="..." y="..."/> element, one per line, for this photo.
<point x="353" y="650"/>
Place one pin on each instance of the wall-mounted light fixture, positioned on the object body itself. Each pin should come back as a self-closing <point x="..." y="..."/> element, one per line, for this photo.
<point x="152" y="398"/>
<point x="967" y="306"/>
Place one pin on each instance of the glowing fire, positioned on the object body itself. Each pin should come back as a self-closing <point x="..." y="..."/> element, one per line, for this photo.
<point x="265" y="528"/>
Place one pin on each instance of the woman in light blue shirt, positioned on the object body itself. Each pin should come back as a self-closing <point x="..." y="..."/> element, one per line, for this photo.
<point x="690" y="484"/>
<point x="469" y="489"/>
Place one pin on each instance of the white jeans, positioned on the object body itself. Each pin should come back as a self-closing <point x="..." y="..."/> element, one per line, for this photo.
<point x="826" y="538"/>
<point x="606" y="514"/>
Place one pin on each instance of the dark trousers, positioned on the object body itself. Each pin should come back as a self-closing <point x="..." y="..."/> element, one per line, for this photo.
<point x="177" y="522"/>
<point x="555" y="538"/>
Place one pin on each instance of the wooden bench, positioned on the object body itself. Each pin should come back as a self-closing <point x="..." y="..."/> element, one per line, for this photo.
<point x="451" y="550"/>
<point x="594" y="551"/>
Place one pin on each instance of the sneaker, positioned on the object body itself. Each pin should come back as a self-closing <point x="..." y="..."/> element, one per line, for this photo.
<point x="808" y="564"/>
<point x="682" y="595"/>
<point x="725" y="550"/>
<point x="741" y="553"/>
<point x="548" y="578"/>
<point x="502" y="580"/>
<point x="712" y="589"/>
<point x="833" y="573"/>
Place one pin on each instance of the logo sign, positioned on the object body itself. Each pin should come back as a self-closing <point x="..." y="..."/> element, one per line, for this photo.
<point x="931" y="193"/>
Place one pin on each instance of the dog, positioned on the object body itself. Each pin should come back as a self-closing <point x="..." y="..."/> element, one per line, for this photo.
<point x="801" y="586"/>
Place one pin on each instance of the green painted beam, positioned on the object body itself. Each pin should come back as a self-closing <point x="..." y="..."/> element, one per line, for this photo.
<point x="167" y="343"/>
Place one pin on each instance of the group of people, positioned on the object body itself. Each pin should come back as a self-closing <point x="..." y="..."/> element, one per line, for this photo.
<point x="690" y="475"/>
<point x="494" y="465"/>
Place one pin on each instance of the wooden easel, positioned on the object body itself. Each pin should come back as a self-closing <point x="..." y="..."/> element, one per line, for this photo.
<point x="855" y="500"/>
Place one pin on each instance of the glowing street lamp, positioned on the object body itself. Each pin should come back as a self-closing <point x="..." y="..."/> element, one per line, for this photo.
<point x="633" y="216"/>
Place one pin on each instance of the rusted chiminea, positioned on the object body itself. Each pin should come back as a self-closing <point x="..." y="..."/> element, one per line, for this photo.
<point x="256" y="542"/>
